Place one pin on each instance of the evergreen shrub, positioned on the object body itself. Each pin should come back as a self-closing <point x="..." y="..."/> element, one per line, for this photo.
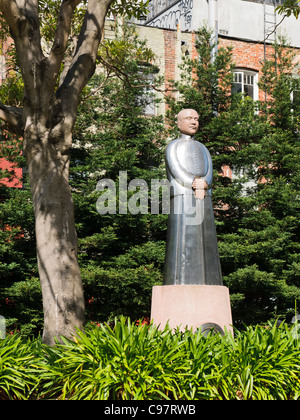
<point x="128" y="360"/>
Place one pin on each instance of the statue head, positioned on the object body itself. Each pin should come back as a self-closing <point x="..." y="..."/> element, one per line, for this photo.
<point x="188" y="121"/>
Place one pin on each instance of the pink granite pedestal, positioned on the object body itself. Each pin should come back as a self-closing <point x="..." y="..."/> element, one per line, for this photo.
<point x="191" y="306"/>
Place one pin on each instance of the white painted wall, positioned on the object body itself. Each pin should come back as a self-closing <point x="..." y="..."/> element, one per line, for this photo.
<point x="240" y="19"/>
<point x="245" y="20"/>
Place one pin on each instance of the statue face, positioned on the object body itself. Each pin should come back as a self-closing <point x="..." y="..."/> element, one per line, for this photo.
<point x="188" y="121"/>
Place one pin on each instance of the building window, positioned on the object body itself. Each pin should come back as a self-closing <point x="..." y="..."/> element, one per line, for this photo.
<point x="147" y="98"/>
<point x="245" y="82"/>
<point x="2" y="68"/>
<point x="296" y="99"/>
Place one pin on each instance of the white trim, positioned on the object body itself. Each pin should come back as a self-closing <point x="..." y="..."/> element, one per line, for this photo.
<point x="246" y="77"/>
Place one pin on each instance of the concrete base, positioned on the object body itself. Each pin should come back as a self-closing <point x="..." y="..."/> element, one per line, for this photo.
<point x="191" y="306"/>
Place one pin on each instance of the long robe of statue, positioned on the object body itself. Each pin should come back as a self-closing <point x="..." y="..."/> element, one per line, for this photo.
<point x="192" y="255"/>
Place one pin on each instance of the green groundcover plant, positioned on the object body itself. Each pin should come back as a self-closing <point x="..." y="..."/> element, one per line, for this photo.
<point x="129" y="360"/>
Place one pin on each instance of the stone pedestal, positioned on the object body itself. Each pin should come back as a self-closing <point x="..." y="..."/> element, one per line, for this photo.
<point x="192" y="306"/>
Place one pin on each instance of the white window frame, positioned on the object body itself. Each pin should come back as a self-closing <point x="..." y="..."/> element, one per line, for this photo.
<point x="246" y="77"/>
<point x="292" y="96"/>
<point x="149" y="109"/>
<point x="2" y="67"/>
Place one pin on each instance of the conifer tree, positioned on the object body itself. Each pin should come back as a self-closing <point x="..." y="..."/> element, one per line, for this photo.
<point x="114" y="134"/>
<point x="256" y="207"/>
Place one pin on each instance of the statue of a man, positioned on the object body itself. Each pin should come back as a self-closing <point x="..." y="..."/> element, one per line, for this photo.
<point x="192" y="252"/>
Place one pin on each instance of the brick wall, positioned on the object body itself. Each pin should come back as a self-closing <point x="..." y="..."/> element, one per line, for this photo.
<point x="15" y="179"/>
<point x="170" y="43"/>
<point x="167" y="43"/>
<point x="247" y="55"/>
<point x="250" y="55"/>
<point x="167" y="47"/>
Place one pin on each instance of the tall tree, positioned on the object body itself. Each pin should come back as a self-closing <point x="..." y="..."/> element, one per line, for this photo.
<point x="45" y="121"/>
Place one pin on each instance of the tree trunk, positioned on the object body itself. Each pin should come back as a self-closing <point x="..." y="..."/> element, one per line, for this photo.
<point x="63" y="299"/>
<point x="46" y="123"/>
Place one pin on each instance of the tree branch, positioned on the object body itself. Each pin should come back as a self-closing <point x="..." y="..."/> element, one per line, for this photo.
<point x="23" y="20"/>
<point x="84" y="59"/>
<point x="12" y="116"/>
<point x="125" y="78"/>
<point x="274" y="29"/>
<point x="12" y="14"/>
<point x="61" y="37"/>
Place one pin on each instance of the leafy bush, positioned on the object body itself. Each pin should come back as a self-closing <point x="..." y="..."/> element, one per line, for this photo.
<point x="129" y="361"/>
<point x="17" y="376"/>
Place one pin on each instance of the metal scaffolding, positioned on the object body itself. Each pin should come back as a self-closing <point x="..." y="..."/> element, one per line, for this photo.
<point x="270" y="26"/>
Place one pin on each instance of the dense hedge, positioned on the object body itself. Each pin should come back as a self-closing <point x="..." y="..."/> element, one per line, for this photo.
<point x="129" y="361"/>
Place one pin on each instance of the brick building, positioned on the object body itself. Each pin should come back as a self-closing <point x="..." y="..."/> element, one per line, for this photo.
<point x="169" y="46"/>
<point x="249" y="26"/>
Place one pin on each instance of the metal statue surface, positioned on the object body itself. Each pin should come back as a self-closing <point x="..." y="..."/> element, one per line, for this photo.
<point x="192" y="255"/>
